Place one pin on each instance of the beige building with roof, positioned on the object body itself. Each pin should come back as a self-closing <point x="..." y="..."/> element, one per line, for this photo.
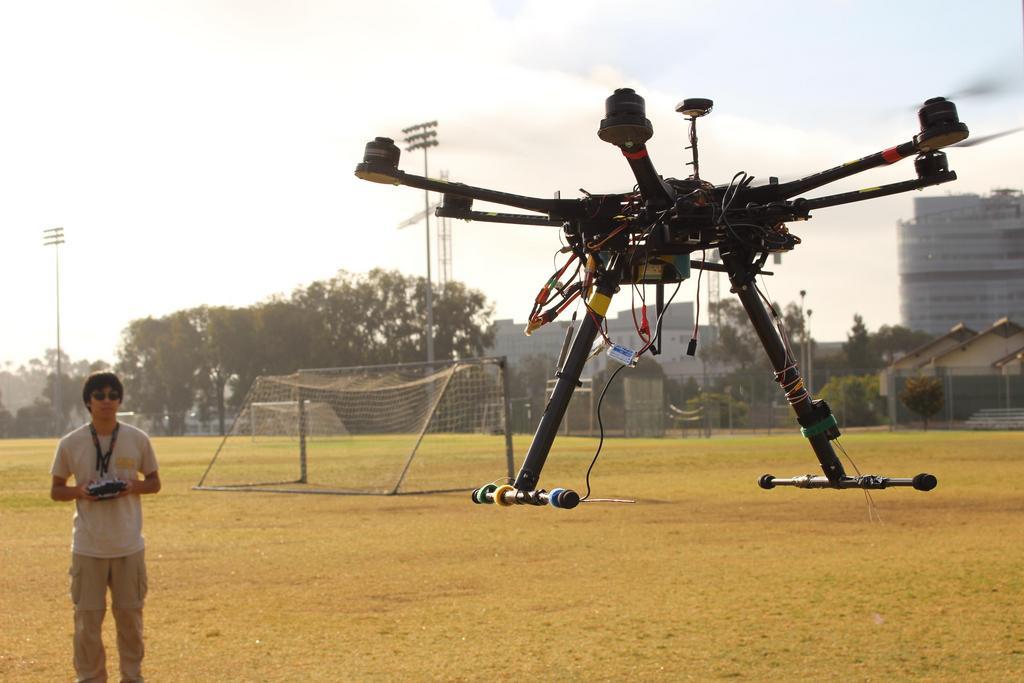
<point x="982" y="351"/>
<point x="979" y="371"/>
<point x="922" y="355"/>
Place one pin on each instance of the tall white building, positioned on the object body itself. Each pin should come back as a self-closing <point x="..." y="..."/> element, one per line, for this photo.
<point x="961" y="260"/>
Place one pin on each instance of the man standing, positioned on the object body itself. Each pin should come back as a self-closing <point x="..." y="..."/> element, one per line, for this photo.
<point x="107" y="548"/>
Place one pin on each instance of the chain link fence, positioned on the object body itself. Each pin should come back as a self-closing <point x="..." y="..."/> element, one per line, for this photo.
<point x="971" y="398"/>
<point x="753" y="403"/>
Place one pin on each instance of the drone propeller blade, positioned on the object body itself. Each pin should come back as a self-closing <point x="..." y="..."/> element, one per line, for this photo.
<point x="985" y="138"/>
<point x="983" y="87"/>
<point x="419" y="216"/>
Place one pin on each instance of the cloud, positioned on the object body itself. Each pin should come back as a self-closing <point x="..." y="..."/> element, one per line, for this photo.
<point x="209" y="146"/>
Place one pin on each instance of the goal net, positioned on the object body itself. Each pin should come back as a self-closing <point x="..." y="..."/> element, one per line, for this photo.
<point x="387" y="429"/>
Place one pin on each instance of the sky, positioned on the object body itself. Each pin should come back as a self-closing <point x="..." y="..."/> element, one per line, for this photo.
<point x="202" y="152"/>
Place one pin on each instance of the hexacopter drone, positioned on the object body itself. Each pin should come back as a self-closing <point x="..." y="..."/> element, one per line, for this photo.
<point x="646" y="237"/>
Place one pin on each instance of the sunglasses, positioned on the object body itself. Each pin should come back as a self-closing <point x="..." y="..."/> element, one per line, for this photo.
<point x="101" y="395"/>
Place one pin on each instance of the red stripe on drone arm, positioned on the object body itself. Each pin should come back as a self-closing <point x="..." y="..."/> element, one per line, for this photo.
<point x="635" y="155"/>
<point x="891" y="156"/>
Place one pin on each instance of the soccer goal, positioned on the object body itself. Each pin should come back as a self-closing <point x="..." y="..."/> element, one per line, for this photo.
<point x="385" y="429"/>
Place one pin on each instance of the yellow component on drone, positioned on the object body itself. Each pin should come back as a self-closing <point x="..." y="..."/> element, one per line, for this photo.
<point x="375" y="177"/>
<point x="599" y="303"/>
<point x="499" y="494"/>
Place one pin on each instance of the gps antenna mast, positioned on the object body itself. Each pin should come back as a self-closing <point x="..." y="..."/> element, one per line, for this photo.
<point x="693" y="108"/>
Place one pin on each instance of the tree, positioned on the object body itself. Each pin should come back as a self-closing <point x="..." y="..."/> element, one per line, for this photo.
<point x="70" y="395"/>
<point x="34" y="420"/>
<point x="793" y="321"/>
<point x="340" y="321"/>
<point x="68" y="392"/>
<point x="23" y="386"/>
<point x="6" y="420"/>
<point x="462" y="322"/>
<point x="739" y="350"/>
<point x="208" y="357"/>
<point x="29" y="395"/>
<point x="717" y="407"/>
<point x="180" y="364"/>
<point x="161" y="364"/>
<point x="394" y="313"/>
<point x="854" y="400"/>
<point x="679" y="391"/>
<point x="737" y="345"/>
<point x="137" y="364"/>
<point x="858" y="350"/>
<point x="891" y="341"/>
<point x="73" y="376"/>
<point x="229" y="357"/>
<point x="924" y="396"/>
<point x="380" y="317"/>
<point x="286" y="335"/>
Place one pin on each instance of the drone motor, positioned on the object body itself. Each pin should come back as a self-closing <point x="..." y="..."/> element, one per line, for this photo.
<point x="625" y="124"/>
<point x="380" y="162"/>
<point x="940" y="125"/>
<point x="931" y="164"/>
<point x="455" y="202"/>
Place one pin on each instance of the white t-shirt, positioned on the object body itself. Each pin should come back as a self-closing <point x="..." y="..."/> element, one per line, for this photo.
<point x="112" y="527"/>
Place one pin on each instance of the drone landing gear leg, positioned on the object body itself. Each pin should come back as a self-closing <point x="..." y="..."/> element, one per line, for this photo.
<point x="524" y="490"/>
<point x="568" y="379"/>
<point x="815" y="417"/>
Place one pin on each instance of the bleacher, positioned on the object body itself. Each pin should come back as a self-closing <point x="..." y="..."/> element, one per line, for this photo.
<point x="996" y="418"/>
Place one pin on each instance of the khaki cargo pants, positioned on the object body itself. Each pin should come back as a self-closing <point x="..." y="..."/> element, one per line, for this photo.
<point x="90" y="577"/>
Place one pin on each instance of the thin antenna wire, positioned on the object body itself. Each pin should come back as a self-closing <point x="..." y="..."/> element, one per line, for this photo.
<point x="873" y="515"/>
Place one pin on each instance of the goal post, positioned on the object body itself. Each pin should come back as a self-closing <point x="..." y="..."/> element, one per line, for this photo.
<point x="318" y="416"/>
<point x="382" y="429"/>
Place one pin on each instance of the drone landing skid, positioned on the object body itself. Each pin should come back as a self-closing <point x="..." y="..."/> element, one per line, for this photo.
<point x="922" y="482"/>
<point x="507" y="496"/>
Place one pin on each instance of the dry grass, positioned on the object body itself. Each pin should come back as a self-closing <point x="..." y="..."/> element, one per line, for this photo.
<point x="707" y="577"/>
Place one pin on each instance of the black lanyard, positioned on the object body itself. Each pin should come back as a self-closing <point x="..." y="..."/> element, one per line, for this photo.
<point x="103" y="461"/>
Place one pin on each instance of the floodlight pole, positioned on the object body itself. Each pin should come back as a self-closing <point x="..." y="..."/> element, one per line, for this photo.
<point x="423" y="136"/>
<point x="54" y="237"/>
<point x="810" y="353"/>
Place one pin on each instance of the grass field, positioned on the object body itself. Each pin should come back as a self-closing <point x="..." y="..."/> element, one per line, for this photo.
<point x="707" y="577"/>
